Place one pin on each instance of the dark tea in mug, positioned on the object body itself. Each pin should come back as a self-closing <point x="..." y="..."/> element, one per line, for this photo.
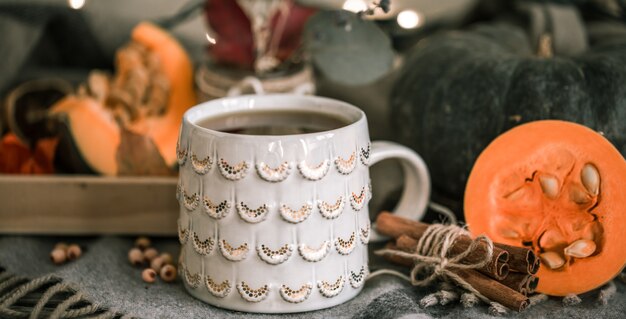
<point x="274" y="122"/>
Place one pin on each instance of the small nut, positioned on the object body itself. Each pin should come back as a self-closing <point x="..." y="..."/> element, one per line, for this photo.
<point x="157" y="263"/>
<point x="73" y="252"/>
<point x="150" y="254"/>
<point x="135" y="256"/>
<point x="148" y="275"/>
<point x="142" y="242"/>
<point x="167" y="259"/>
<point x="58" y="256"/>
<point x="61" y="245"/>
<point x="168" y="273"/>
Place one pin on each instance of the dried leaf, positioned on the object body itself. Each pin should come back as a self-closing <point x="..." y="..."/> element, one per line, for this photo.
<point x="17" y="158"/>
<point x="43" y="155"/>
<point x="233" y="29"/>
<point x="13" y="154"/>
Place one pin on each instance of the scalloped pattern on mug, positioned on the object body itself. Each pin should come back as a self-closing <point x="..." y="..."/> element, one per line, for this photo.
<point x="358" y="201"/>
<point x="345" y="246"/>
<point x="346" y="166"/>
<point x="273" y="175"/>
<point x="216" y="210"/>
<point x="190" y="201"/>
<point x="365" y="154"/>
<point x="252" y="215"/>
<point x="202" y="247"/>
<point x="296" y="216"/>
<point x="252" y="295"/>
<point x="201" y="166"/>
<point x="274" y="257"/>
<point x="233" y="172"/>
<point x="193" y="280"/>
<point x="220" y="290"/>
<point x="358" y="278"/>
<point x="314" y="254"/>
<point x="331" y="211"/>
<point x="179" y="191"/>
<point x="314" y="173"/>
<point x="231" y="253"/>
<point x="183" y="234"/>
<point x="296" y="295"/>
<point x="330" y="290"/>
<point x="181" y="154"/>
<point x="364" y="234"/>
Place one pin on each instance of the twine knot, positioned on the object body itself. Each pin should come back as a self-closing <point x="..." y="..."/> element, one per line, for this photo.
<point x="441" y="268"/>
<point x="432" y="260"/>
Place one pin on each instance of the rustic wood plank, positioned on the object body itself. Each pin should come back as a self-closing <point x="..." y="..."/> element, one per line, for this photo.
<point x="87" y="205"/>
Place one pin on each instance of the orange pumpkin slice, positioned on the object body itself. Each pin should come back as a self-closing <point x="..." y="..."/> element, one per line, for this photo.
<point x="179" y="70"/>
<point x="92" y="126"/>
<point x="560" y="189"/>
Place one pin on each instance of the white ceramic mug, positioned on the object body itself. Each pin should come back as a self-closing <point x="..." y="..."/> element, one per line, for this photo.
<point x="278" y="224"/>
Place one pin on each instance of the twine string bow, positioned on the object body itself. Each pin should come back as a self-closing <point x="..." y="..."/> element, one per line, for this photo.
<point x="431" y="260"/>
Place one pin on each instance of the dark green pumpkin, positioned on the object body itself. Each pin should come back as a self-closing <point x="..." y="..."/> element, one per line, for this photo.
<point x="459" y="90"/>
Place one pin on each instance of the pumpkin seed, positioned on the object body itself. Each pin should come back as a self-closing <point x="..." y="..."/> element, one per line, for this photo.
<point x="552" y="260"/>
<point x="551" y="238"/>
<point x="549" y="185"/>
<point x="509" y="233"/>
<point x="581" y="248"/>
<point x="590" y="177"/>
<point x="98" y="84"/>
<point x="579" y="196"/>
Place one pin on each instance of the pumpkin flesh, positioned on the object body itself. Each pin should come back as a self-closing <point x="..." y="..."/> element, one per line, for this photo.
<point x="556" y="187"/>
<point x="99" y="135"/>
<point x="179" y="70"/>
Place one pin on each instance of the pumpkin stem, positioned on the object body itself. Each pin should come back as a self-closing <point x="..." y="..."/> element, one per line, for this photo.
<point x="544" y="49"/>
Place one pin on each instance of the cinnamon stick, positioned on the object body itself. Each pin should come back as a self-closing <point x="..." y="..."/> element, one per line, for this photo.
<point x="535" y="267"/>
<point x="394" y="226"/>
<point x="521" y="259"/>
<point x="531" y="284"/>
<point x="406" y="243"/>
<point x="397" y="259"/>
<point x="488" y="287"/>
<point x="517" y="281"/>
<point x="494" y="290"/>
<point x="497" y="268"/>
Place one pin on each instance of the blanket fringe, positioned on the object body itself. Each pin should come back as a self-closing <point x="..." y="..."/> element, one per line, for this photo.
<point x="52" y="298"/>
<point x="606" y="293"/>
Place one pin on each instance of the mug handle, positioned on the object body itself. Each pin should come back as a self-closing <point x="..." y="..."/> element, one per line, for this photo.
<point x="416" y="193"/>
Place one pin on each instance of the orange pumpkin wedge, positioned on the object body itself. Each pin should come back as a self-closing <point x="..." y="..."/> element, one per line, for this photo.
<point x="179" y="70"/>
<point x="99" y="135"/>
<point x="560" y="189"/>
<point x="94" y="131"/>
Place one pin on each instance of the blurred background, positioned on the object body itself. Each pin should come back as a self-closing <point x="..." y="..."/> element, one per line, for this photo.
<point x="82" y="83"/>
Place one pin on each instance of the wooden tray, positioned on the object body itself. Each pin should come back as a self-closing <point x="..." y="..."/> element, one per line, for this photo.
<point x="88" y="205"/>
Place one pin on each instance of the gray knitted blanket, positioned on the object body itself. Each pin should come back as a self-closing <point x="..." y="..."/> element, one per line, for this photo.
<point x="102" y="284"/>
